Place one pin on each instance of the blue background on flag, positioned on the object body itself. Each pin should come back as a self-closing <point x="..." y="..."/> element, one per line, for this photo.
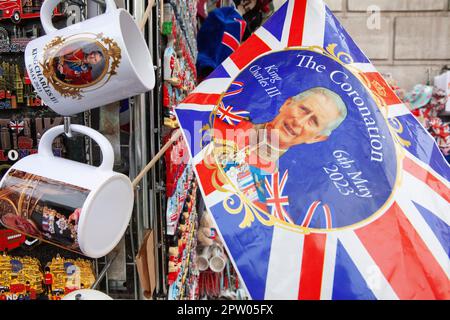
<point x="276" y="23"/>
<point x="192" y="122"/>
<point x="307" y="180"/>
<point x="219" y="72"/>
<point x="440" y="229"/>
<point x="348" y="282"/>
<point x="423" y="145"/>
<point x="250" y="247"/>
<point x="335" y="33"/>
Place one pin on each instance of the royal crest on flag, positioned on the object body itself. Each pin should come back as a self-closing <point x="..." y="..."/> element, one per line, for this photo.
<point x="364" y="212"/>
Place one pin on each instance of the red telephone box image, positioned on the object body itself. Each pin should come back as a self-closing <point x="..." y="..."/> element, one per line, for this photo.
<point x="16" y="10"/>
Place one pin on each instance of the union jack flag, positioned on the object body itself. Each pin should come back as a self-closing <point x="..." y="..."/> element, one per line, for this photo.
<point x="276" y="200"/>
<point x="229" y="116"/>
<point x="17" y="126"/>
<point x="230" y="40"/>
<point x="402" y="253"/>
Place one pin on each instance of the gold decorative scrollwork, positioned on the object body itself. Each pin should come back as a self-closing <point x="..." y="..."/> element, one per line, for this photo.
<point x="397" y="128"/>
<point x="342" y="56"/>
<point x="111" y="52"/>
<point x="235" y="205"/>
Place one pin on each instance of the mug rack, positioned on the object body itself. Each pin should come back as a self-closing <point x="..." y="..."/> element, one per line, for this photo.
<point x="142" y="144"/>
<point x="116" y="274"/>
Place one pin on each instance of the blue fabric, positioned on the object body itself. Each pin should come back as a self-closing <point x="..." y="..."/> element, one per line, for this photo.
<point x="211" y="51"/>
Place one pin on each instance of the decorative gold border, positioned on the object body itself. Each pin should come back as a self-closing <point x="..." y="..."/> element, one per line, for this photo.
<point x="105" y="54"/>
<point x="110" y="49"/>
<point x="250" y="209"/>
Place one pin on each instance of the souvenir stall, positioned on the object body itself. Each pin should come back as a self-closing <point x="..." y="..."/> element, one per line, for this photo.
<point x="101" y="191"/>
<point x="183" y="227"/>
<point x="167" y="246"/>
<point x="42" y="213"/>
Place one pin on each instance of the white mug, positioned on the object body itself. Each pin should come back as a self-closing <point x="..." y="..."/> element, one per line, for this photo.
<point x="89" y="64"/>
<point x="218" y="260"/>
<point x="67" y="203"/>
<point x="86" y="294"/>
<point x="202" y="259"/>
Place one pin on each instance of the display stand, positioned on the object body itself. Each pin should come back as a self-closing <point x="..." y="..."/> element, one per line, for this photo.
<point x="140" y="142"/>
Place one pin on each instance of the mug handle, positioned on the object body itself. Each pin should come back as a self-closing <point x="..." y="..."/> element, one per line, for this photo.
<point x="47" y="12"/>
<point x="46" y="142"/>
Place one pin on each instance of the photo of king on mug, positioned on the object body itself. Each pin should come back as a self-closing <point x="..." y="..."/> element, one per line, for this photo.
<point x="80" y="64"/>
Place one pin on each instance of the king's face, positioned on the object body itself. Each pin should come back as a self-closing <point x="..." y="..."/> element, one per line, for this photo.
<point x="303" y="121"/>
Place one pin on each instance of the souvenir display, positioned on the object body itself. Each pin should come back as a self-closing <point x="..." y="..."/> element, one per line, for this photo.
<point x="248" y="181"/>
<point x="207" y="233"/>
<point x="10" y="240"/>
<point x="16" y="90"/>
<point x="19" y="137"/>
<point x="64" y="276"/>
<point x="20" y="278"/>
<point x="183" y="273"/>
<point x="223" y="285"/>
<point x="181" y="198"/>
<point x="91" y="63"/>
<point x="20" y="10"/>
<point x="19" y="25"/>
<point x="289" y="168"/>
<point x="419" y="97"/>
<point x="176" y="158"/>
<point x="180" y="54"/>
<point x="443" y="82"/>
<point x="429" y="115"/>
<point x="14" y="39"/>
<point x="41" y="197"/>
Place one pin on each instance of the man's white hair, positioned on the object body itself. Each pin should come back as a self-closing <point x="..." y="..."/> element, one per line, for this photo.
<point x="335" y="98"/>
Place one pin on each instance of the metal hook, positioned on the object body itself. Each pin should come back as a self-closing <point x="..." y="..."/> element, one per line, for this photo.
<point x="67" y="128"/>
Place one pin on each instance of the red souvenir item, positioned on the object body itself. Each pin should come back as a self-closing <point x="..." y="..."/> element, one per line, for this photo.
<point x="10" y="240"/>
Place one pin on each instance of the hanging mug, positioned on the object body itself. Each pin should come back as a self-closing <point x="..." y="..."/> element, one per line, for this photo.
<point x="86" y="294"/>
<point x="89" y="64"/>
<point x="218" y="260"/>
<point x="69" y="204"/>
<point x="202" y="259"/>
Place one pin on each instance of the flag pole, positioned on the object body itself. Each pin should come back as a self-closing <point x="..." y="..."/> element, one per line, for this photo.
<point x="155" y="159"/>
<point x="146" y="15"/>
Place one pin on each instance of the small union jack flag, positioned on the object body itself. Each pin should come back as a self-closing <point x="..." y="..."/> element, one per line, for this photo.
<point x="229" y="116"/>
<point x="276" y="200"/>
<point x="17" y="126"/>
<point x="243" y="25"/>
<point x="230" y="39"/>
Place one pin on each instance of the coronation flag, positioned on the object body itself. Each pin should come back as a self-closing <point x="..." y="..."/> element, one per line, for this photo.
<point x="364" y="212"/>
